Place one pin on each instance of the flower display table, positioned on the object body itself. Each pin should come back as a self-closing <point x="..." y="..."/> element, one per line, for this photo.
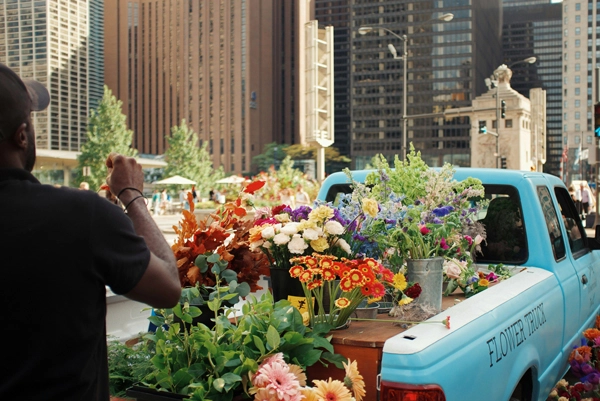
<point x="363" y="341"/>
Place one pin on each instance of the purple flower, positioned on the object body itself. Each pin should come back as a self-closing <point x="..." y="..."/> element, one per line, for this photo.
<point x="437" y="221"/>
<point x="300" y="213"/>
<point x="443" y="244"/>
<point x="471" y="280"/>
<point x="443" y="211"/>
<point x="383" y="176"/>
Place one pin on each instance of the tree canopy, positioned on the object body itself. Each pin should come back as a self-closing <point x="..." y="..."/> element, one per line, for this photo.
<point x="184" y="157"/>
<point x="107" y="132"/>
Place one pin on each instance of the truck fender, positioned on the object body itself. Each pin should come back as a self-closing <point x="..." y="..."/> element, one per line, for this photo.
<point x="527" y="363"/>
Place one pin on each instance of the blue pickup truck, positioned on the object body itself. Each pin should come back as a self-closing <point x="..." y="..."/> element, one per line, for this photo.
<point x="510" y="342"/>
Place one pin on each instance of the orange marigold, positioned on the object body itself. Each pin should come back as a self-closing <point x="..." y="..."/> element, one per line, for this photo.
<point x="591" y="334"/>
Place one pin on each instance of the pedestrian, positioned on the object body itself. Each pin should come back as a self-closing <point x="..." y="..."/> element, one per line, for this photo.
<point x="84" y="186"/>
<point x="286" y="198"/>
<point x="63" y="246"/>
<point x="194" y="194"/>
<point x="585" y="200"/>
<point x="302" y="198"/>
<point x="156" y="202"/>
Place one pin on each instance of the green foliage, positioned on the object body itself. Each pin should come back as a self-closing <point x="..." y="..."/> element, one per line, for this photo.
<point x="272" y="155"/>
<point x="184" y="157"/>
<point x="214" y="364"/>
<point x="127" y="365"/>
<point x="107" y="132"/>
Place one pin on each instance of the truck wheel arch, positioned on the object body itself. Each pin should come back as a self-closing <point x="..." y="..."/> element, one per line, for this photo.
<point x="524" y="389"/>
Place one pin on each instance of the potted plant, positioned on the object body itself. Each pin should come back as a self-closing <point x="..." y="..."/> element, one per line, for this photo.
<point x="127" y="365"/>
<point x="217" y="363"/>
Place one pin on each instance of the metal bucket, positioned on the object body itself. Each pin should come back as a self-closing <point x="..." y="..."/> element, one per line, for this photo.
<point x="429" y="274"/>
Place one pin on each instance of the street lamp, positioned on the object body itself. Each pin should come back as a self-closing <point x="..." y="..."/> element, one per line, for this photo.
<point x="492" y="82"/>
<point x="363" y="30"/>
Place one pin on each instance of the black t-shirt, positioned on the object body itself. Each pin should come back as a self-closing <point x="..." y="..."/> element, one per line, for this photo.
<point x="59" y="248"/>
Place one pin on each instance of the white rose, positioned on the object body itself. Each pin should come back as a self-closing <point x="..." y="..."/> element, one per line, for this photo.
<point x="290" y="229"/>
<point x="281" y="239"/>
<point x="333" y="227"/>
<point x="268" y="232"/>
<point x="344" y="245"/>
<point x="297" y="245"/>
<point x="255" y="245"/>
<point x="267" y="244"/>
<point x="453" y="268"/>
<point x="282" y="218"/>
<point x="311" y="234"/>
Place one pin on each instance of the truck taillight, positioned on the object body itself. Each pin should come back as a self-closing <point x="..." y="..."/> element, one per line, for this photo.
<point x="409" y="392"/>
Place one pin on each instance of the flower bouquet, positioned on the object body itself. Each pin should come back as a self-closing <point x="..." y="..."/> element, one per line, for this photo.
<point x="201" y="247"/>
<point x="350" y="281"/>
<point x="461" y="274"/>
<point x="585" y="367"/>
<point x="276" y="380"/>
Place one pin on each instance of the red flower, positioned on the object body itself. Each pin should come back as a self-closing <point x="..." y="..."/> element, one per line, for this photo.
<point x="413" y="291"/>
<point x="253" y="187"/>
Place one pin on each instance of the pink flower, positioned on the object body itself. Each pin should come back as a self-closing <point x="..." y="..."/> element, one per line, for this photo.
<point x="275" y="381"/>
<point x="443" y="244"/>
<point x="424" y="230"/>
<point x="469" y="239"/>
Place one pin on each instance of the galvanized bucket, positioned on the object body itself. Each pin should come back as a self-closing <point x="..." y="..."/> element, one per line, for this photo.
<point x="429" y="274"/>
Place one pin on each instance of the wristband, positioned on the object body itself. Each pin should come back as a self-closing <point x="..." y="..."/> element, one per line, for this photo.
<point x="131" y="201"/>
<point x="126" y="188"/>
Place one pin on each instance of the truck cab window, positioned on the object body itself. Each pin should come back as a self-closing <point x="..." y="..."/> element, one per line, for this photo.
<point x="575" y="234"/>
<point x="557" y="240"/>
<point x="505" y="230"/>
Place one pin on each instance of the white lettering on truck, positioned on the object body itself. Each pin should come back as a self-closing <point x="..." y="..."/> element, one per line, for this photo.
<point x="511" y="337"/>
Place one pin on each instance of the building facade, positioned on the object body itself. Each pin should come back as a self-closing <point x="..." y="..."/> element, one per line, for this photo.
<point x="446" y="66"/>
<point x="580" y="61"/>
<point x="228" y="67"/>
<point x="50" y="41"/>
<point x="536" y="30"/>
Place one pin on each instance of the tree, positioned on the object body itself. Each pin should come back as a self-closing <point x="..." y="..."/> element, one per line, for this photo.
<point x="184" y="157"/>
<point x="107" y="132"/>
<point x="333" y="160"/>
<point x="273" y="155"/>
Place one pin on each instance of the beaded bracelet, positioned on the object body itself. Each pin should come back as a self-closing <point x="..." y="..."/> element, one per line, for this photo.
<point x="126" y="188"/>
<point x="131" y="201"/>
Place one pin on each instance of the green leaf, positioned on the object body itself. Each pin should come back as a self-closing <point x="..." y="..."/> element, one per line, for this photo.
<point x="201" y="263"/>
<point x="273" y="339"/>
<point x="213" y="258"/>
<point x="258" y="343"/>
<point x="243" y="289"/>
<point x="215" y="269"/>
<point x="229" y="275"/>
<point x="219" y="384"/>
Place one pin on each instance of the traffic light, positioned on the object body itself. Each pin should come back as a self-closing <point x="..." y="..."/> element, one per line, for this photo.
<point x="503" y="162"/>
<point x="482" y="127"/>
<point x="502" y="109"/>
<point x="597" y="119"/>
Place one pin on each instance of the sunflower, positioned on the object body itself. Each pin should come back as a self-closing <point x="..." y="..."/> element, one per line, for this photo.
<point x="331" y="390"/>
<point x="354" y="380"/>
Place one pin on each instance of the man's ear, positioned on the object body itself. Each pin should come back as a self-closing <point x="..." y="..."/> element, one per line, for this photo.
<point x="20" y="138"/>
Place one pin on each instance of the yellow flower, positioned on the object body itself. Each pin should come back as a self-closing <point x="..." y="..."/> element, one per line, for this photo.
<point x="405" y="300"/>
<point x="299" y="373"/>
<point x="400" y="281"/>
<point x="332" y="390"/>
<point x="319" y="245"/>
<point x="305" y="318"/>
<point x="354" y="381"/>
<point x="304" y="224"/>
<point x="484" y="282"/>
<point x="309" y="394"/>
<point x="321" y="213"/>
<point x="370" y="207"/>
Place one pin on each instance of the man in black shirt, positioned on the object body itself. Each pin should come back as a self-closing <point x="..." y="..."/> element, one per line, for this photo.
<point x="60" y="248"/>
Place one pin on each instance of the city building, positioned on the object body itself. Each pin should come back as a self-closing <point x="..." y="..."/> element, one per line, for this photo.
<point x="49" y="41"/>
<point x="448" y="58"/>
<point x="534" y="28"/>
<point x="580" y="61"/>
<point x="229" y="68"/>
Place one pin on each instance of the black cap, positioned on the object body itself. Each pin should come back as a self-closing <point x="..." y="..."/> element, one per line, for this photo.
<point x="18" y="98"/>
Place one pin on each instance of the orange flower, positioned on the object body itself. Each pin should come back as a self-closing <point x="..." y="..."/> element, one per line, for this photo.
<point x="356" y="277"/>
<point x="484" y="282"/>
<point x="346" y="284"/>
<point x="591" y="334"/>
<point x="447" y="322"/>
<point x="581" y="354"/>
<point x="306" y="276"/>
<point x="332" y="390"/>
<point x="328" y="274"/>
<point x="314" y="284"/>
<point x="342" y="302"/>
<point x="353" y="380"/>
<point x="296" y="271"/>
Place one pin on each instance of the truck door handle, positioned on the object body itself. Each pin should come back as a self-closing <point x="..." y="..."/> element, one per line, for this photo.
<point x="584" y="279"/>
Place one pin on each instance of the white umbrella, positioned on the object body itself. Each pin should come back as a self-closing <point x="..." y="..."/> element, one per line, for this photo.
<point x="233" y="179"/>
<point x="175" y="180"/>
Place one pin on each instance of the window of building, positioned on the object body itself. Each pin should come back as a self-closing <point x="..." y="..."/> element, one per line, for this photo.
<point x="588" y="139"/>
<point x="565" y="104"/>
<point x="577" y="92"/>
<point x="577" y="67"/>
<point x="578" y="18"/>
<point x="565" y="116"/>
<point x="566" y="33"/>
<point x="565" y="138"/>
<point x="577" y="115"/>
<point x="508" y="123"/>
<point x="577" y="139"/>
<point x="577" y="6"/>
<point x="577" y="79"/>
<point x="577" y="103"/>
<point x="577" y="55"/>
<point x="577" y="31"/>
<point x="577" y="127"/>
<point x="577" y="43"/>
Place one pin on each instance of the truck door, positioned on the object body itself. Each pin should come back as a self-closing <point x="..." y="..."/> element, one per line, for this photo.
<point x="583" y="259"/>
